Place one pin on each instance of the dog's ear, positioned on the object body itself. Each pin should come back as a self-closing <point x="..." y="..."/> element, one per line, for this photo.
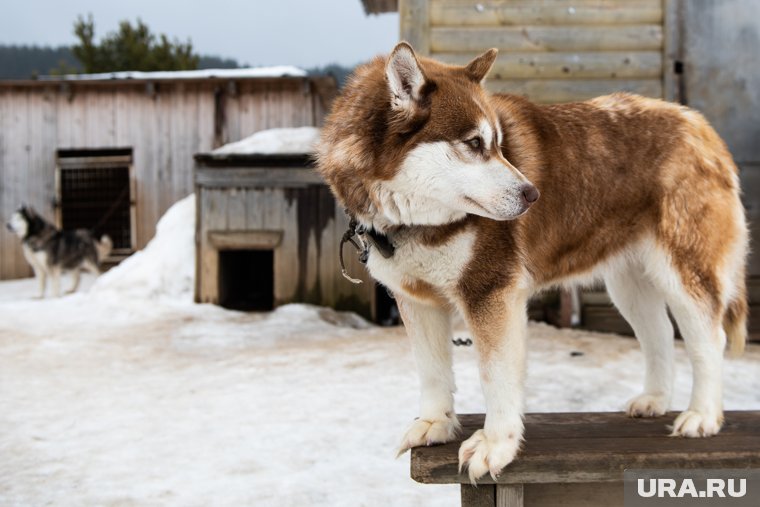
<point x="478" y="69"/>
<point x="406" y="79"/>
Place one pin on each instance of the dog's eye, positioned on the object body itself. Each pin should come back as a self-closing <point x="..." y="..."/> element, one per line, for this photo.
<point x="475" y="143"/>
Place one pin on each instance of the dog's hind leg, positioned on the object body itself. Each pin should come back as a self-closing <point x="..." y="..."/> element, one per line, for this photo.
<point x="55" y="275"/>
<point x="92" y="267"/>
<point x="700" y="327"/>
<point x="41" y="276"/>
<point x="77" y="276"/>
<point x="429" y="328"/>
<point x="705" y="340"/>
<point x="643" y="306"/>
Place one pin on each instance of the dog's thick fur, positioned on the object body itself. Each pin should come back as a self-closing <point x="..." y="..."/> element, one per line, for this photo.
<point x="51" y="251"/>
<point x="638" y="192"/>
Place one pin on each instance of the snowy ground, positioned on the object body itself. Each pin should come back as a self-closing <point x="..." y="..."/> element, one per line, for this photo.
<point x="126" y="394"/>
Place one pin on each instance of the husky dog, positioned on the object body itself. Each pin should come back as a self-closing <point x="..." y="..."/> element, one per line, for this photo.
<point x="51" y="251"/>
<point x="638" y="192"/>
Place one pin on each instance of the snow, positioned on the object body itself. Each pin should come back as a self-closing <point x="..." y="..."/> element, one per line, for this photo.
<point x="251" y="72"/>
<point x="297" y="140"/>
<point x="130" y="394"/>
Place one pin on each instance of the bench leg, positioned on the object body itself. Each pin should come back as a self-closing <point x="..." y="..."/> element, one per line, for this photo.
<point x="483" y="495"/>
<point x="509" y="495"/>
<point x="488" y="495"/>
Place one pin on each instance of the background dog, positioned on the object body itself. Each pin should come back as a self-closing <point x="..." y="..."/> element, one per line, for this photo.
<point x="51" y="251"/>
<point x="635" y="191"/>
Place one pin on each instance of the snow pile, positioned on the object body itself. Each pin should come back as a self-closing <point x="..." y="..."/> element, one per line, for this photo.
<point x="250" y="72"/>
<point x="165" y="268"/>
<point x="279" y="141"/>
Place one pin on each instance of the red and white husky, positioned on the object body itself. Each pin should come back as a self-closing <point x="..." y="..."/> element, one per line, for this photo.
<point x="638" y="192"/>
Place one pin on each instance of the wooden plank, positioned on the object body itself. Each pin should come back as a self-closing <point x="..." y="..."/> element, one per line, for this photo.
<point x="329" y="274"/>
<point x="236" y="213"/>
<point x="101" y="161"/>
<point x="256" y="177"/>
<point x="590" y="494"/>
<point x="753" y="323"/>
<point x="187" y="145"/>
<point x="6" y="237"/>
<point x="595" y="297"/>
<point x="570" y="90"/>
<point x="245" y="240"/>
<point x="753" y="290"/>
<point x="478" y="496"/>
<point x="604" y="319"/>
<point x="10" y="190"/>
<point x="509" y="495"/>
<point x="547" y="38"/>
<point x="254" y="210"/>
<point x="164" y="174"/>
<point x="598" y="447"/>
<point x="598" y="64"/>
<point x="148" y="161"/>
<point x="213" y="216"/>
<point x="505" y="13"/>
<point x="281" y="214"/>
<point x="414" y="23"/>
<point x="671" y="50"/>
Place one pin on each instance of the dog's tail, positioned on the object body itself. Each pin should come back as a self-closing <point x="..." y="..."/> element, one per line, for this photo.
<point x="735" y="321"/>
<point x="103" y="247"/>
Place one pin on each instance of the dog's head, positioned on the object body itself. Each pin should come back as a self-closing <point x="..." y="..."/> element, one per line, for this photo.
<point x="23" y="221"/>
<point x="413" y="141"/>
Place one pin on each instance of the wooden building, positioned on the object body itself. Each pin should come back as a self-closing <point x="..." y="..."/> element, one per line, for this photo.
<point x="113" y="152"/>
<point x="267" y="233"/>
<point x="549" y="50"/>
<point x="697" y="52"/>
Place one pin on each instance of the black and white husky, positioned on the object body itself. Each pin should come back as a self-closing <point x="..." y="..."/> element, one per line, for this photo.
<point x="51" y="251"/>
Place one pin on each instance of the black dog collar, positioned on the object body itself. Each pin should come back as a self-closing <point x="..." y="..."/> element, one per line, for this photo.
<point x="367" y="238"/>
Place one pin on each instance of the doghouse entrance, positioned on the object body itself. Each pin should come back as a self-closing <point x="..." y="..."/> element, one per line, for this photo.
<point x="95" y="192"/>
<point x="246" y="279"/>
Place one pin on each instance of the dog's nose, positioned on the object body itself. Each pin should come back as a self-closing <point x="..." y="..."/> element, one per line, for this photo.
<point x="530" y="194"/>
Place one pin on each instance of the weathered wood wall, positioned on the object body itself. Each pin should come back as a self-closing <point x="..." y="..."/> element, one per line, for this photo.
<point x="164" y="122"/>
<point x="290" y="211"/>
<point x="716" y="42"/>
<point x="550" y="50"/>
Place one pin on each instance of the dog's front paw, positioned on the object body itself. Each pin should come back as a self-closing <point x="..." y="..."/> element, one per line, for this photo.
<point x="648" y="405"/>
<point x="695" y="424"/>
<point x="429" y="432"/>
<point x="480" y="454"/>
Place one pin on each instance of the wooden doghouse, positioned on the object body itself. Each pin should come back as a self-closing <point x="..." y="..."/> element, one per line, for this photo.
<point x="267" y="233"/>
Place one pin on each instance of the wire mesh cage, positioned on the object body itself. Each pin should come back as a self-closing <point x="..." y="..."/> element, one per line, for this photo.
<point x="94" y="190"/>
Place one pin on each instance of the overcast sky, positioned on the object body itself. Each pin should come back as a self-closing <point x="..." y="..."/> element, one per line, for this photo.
<point x="306" y="33"/>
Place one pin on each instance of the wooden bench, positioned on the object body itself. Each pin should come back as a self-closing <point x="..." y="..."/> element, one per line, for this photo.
<point x="578" y="459"/>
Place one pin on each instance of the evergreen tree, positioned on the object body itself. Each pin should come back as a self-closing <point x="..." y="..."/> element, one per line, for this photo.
<point x="130" y="48"/>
